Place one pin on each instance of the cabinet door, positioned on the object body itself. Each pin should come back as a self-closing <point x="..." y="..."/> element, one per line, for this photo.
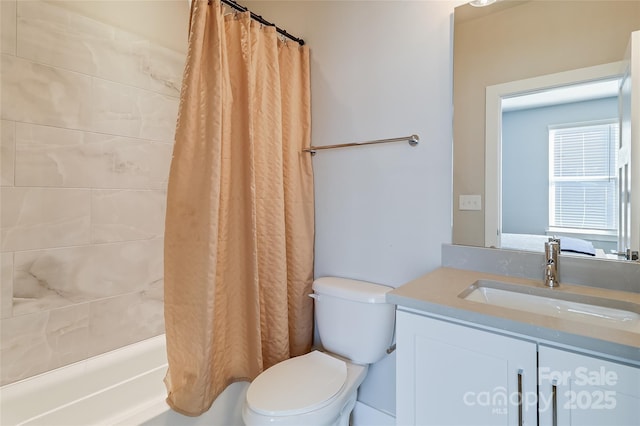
<point x="588" y="391"/>
<point x="449" y="374"/>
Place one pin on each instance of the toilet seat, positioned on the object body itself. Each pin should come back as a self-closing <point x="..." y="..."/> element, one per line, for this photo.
<point x="297" y="385"/>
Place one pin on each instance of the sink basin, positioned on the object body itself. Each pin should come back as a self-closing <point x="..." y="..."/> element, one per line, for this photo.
<point x="545" y="301"/>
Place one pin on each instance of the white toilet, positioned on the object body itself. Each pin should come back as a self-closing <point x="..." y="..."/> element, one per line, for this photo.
<point x="356" y="327"/>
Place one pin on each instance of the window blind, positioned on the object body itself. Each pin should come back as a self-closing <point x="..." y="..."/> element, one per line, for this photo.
<point x="582" y="177"/>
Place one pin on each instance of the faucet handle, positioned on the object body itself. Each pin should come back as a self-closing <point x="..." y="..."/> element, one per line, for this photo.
<point x="551" y="247"/>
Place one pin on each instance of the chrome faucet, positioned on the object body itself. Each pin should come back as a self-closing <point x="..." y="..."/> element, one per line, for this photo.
<point x="551" y="267"/>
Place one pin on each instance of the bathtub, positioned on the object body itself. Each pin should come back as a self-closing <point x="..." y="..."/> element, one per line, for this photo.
<point x="122" y="387"/>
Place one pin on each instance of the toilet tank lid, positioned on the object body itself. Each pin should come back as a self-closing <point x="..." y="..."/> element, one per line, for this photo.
<point x="358" y="291"/>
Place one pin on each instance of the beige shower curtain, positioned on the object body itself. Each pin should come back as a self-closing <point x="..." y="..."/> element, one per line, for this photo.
<point x="239" y="226"/>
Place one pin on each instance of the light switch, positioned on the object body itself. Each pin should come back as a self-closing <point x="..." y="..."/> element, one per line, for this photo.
<point x="470" y="202"/>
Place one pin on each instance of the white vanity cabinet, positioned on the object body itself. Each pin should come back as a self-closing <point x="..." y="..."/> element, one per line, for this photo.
<point x="581" y="390"/>
<point x="455" y="374"/>
<point x="448" y="374"/>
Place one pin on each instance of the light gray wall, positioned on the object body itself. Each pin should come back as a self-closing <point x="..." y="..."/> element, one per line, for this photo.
<point x="525" y="159"/>
<point x="379" y="70"/>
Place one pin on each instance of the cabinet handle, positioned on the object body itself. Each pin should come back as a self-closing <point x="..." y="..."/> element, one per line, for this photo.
<point x="554" y="403"/>
<point x="520" y="397"/>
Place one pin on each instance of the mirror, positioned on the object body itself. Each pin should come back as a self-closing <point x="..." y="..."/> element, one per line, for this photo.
<point x="514" y="41"/>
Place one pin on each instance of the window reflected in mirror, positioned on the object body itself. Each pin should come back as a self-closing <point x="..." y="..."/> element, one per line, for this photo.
<point x="559" y="171"/>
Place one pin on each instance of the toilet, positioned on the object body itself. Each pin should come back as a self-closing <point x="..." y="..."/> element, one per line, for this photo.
<point x="356" y="328"/>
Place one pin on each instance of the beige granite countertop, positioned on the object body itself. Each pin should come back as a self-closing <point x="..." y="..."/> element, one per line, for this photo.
<point x="438" y="293"/>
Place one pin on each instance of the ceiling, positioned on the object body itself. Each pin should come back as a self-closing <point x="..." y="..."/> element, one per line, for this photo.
<point x="562" y="95"/>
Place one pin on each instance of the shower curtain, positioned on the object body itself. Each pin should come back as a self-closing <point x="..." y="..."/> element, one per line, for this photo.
<point x="239" y="226"/>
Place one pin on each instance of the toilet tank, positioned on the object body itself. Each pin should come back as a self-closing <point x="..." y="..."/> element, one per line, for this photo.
<point x="353" y="318"/>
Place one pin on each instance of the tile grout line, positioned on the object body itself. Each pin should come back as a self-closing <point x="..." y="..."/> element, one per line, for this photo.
<point x="154" y="238"/>
<point x="73" y="129"/>
<point x="44" y="64"/>
<point x="88" y="303"/>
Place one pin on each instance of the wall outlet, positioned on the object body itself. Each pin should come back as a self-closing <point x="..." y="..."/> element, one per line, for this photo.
<point x="470" y="202"/>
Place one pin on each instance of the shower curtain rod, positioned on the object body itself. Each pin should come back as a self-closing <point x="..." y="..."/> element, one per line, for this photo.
<point x="260" y="19"/>
<point x="413" y="141"/>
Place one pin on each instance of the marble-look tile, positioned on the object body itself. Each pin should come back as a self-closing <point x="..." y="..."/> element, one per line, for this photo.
<point x="122" y="320"/>
<point x="133" y="163"/>
<point x="8" y="26"/>
<point x="7" y="152"/>
<point x="34" y="218"/>
<point x="159" y="116"/>
<point x="36" y="93"/>
<point x="56" y="36"/>
<point x="129" y="111"/>
<point x="6" y="284"/>
<point x="45" y="279"/>
<point x="67" y="333"/>
<point x="51" y="156"/>
<point x="165" y="68"/>
<point x="32" y="344"/>
<point x="41" y="94"/>
<point x="127" y="215"/>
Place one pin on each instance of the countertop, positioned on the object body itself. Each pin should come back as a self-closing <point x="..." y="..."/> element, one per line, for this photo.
<point x="437" y="293"/>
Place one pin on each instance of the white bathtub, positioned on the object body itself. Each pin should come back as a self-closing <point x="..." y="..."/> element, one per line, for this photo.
<point x="122" y="387"/>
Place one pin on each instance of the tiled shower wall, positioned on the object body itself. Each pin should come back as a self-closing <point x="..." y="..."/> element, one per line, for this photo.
<point x="88" y="117"/>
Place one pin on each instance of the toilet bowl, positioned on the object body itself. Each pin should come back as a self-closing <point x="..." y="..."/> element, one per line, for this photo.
<point x="356" y="326"/>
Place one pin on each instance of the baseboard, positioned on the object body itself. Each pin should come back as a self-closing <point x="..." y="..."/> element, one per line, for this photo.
<point x="364" y="415"/>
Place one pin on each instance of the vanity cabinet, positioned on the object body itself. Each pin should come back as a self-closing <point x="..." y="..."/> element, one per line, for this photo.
<point x="585" y="391"/>
<point x="449" y="374"/>
<point x="455" y="374"/>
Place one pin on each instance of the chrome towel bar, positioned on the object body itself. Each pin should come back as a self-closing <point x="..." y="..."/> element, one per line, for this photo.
<point x="413" y="141"/>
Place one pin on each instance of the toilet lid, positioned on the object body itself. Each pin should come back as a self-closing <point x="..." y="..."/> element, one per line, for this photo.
<point x="297" y="385"/>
